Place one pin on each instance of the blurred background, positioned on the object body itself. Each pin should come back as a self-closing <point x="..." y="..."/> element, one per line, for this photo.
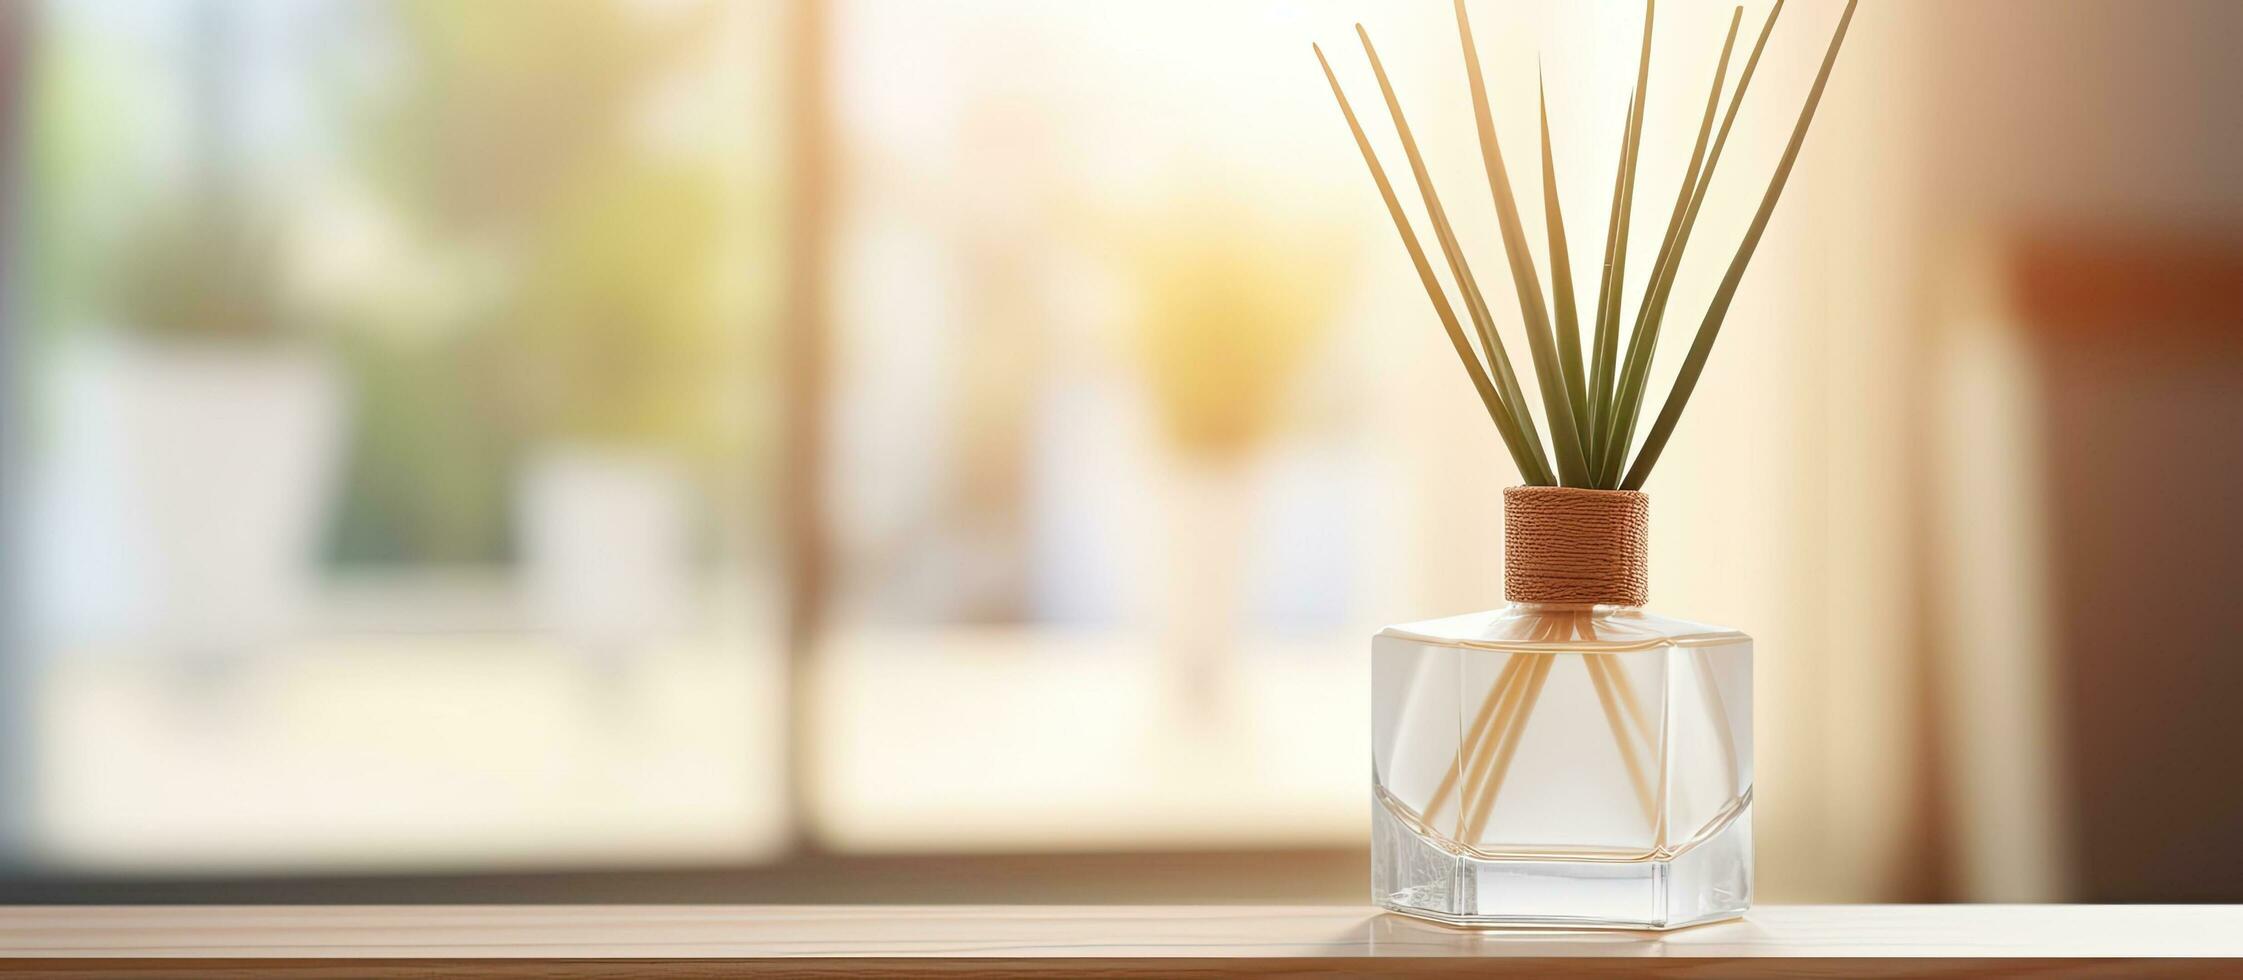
<point x="659" y="450"/>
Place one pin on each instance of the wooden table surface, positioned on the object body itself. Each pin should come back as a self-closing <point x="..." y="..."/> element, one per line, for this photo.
<point x="708" y="941"/>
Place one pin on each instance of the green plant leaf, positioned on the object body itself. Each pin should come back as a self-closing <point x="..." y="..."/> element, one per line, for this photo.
<point x="1565" y="433"/>
<point x="1475" y="304"/>
<point x="1709" y="329"/>
<point x="1599" y="369"/>
<point x="1616" y="250"/>
<point x="1644" y="339"/>
<point x="1561" y="280"/>
<point x="1506" y="426"/>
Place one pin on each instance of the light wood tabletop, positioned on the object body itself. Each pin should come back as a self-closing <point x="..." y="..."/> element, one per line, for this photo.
<point x="707" y="941"/>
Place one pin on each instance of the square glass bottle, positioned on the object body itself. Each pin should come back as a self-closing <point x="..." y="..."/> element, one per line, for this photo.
<point x="1568" y="760"/>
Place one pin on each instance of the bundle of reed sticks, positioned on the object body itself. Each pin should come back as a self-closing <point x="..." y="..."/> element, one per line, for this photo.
<point x="1475" y="775"/>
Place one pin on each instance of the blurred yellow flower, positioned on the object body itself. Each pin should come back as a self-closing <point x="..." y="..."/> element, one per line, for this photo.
<point x="1231" y="304"/>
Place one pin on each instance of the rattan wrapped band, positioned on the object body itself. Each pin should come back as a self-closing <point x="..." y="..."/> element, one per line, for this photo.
<point x="1572" y="545"/>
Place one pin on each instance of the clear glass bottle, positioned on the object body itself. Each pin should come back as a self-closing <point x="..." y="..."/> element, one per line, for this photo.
<point x="1562" y="764"/>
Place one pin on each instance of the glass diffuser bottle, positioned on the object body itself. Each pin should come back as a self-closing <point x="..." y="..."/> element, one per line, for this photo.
<point x="1569" y="759"/>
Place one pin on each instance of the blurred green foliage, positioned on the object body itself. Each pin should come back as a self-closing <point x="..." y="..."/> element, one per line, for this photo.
<point x="79" y="147"/>
<point x="197" y="259"/>
<point x="614" y="337"/>
<point x="515" y="126"/>
<point x="203" y="269"/>
<point x="498" y="111"/>
<point x="512" y="134"/>
<point x="425" y="482"/>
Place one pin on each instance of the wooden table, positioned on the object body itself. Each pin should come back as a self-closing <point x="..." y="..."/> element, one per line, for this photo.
<point x="712" y="941"/>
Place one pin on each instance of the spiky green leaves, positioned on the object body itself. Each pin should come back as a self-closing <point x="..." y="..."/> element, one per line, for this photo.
<point x="1621" y="421"/>
<point x="1531" y="468"/>
<point x="1592" y="417"/>
<point x="1694" y="363"/>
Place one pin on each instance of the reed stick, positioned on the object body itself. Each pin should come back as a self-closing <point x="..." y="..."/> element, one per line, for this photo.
<point x="1484" y="805"/>
<point x="1484" y="752"/>
<point x="1608" y="677"/>
<point x="1493" y="752"/>
<point x="1476" y="732"/>
<point x="1489" y="745"/>
<point x="1598" y="677"/>
<point x="1634" y="707"/>
<point x="1489" y="741"/>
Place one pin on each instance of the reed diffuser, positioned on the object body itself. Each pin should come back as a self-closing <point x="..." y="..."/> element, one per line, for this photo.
<point x="1570" y="759"/>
